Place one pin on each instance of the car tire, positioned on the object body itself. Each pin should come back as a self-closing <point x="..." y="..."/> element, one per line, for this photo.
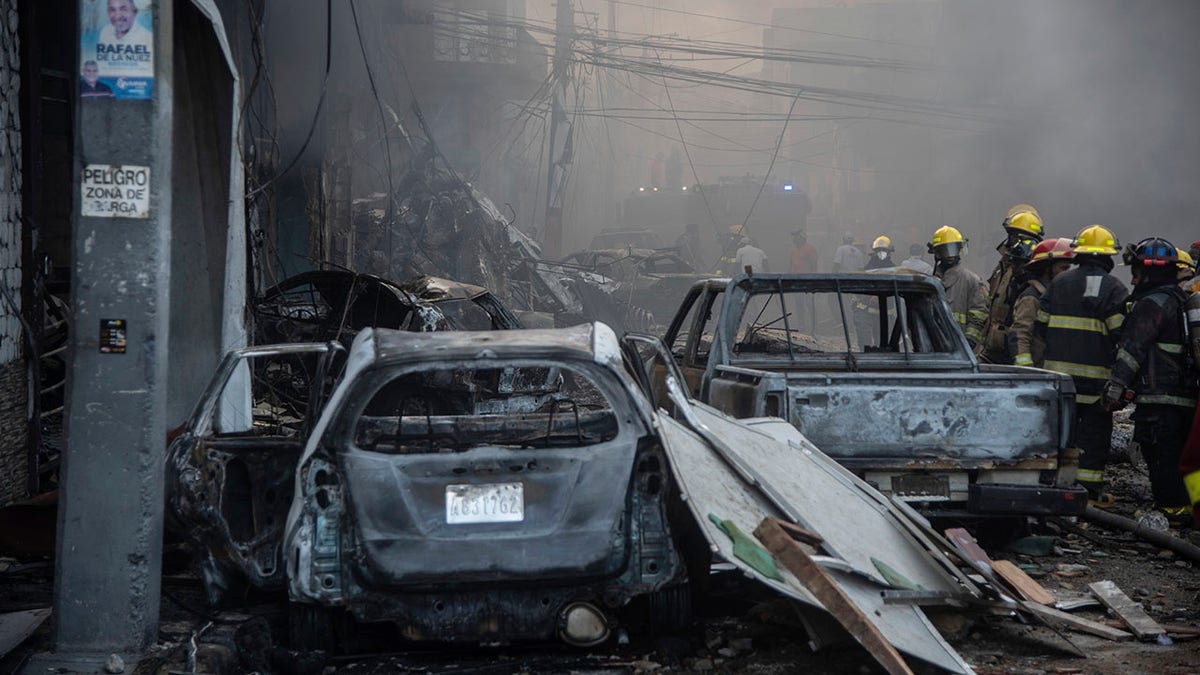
<point x="312" y="627"/>
<point x="671" y="609"/>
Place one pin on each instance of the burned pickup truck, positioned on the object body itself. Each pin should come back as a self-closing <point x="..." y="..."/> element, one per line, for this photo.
<point x="886" y="384"/>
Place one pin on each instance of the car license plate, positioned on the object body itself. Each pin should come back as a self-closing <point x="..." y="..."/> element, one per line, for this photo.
<point x="921" y="488"/>
<point x="492" y="503"/>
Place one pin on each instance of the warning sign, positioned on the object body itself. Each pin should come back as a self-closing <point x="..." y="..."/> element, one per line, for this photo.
<point x="108" y="191"/>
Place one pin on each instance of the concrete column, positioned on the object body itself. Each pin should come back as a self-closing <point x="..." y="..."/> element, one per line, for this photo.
<point x="108" y="568"/>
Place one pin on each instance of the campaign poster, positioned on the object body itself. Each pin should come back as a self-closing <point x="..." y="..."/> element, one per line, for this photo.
<point x="116" y="49"/>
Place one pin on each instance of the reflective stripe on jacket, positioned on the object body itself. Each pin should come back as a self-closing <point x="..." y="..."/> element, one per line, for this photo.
<point x="1002" y="294"/>
<point x="967" y="296"/>
<point x="1027" y="349"/>
<point x="1079" y="317"/>
<point x="1150" y="354"/>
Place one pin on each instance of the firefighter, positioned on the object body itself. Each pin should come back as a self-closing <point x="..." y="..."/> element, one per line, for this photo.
<point x="1079" y="318"/>
<point x="730" y="243"/>
<point x="1187" y="270"/>
<point x="1050" y="258"/>
<point x="866" y="312"/>
<point x="1023" y="231"/>
<point x="1153" y="369"/>
<point x="965" y="291"/>
<point x="881" y="253"/>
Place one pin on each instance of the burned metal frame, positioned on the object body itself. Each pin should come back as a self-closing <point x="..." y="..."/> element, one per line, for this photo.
<point x="352" y="499"/>
<point x="229" y="495"/>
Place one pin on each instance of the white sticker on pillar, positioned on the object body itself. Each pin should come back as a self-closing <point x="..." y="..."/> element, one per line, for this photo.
<point x="111" y="191"/>
<point x="116" y="49"/>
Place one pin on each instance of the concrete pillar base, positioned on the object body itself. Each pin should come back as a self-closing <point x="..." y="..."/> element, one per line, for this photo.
<point x="52" y="662"/>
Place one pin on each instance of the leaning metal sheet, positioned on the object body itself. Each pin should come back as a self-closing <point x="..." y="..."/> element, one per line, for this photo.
<point x="710" y="486"/>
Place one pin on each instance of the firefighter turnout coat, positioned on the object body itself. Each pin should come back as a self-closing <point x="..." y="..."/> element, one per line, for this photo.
<point x="1079" y="318"/>
<point x="1025" y="347"/>
<point x="967" y="296"/>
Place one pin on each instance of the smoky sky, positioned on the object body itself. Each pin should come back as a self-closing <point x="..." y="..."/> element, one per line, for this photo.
<point x="1098" y="110"/>
<point x="1091" y="108"/>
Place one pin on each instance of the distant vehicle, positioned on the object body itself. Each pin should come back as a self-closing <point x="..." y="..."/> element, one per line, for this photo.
<point x="625" y="238"/>
<point x="654" y="280"/>
<point x="896" y="396"/>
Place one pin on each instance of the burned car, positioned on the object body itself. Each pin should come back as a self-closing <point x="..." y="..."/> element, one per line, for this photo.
<point x="653" y="280"/>
<point x="482" y="487"/>
<point x="324" y="305"/>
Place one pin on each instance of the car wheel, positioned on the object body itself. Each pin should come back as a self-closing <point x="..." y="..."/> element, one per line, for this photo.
<point x="671" y="609"/>
<point x="312" y="627"/>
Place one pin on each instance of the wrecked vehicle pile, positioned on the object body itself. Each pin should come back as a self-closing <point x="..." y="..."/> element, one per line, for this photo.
<point x="504" y="486"/>
<point x="648" y="279"/>
<point x="324" y="305"/>
<point x="439" y="224"/>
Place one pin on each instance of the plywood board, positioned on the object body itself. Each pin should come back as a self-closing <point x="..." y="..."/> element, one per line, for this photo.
<point x="1022" y="583"/>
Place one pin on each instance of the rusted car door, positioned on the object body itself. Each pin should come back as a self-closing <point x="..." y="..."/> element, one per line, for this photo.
<point x="690" y="336"/>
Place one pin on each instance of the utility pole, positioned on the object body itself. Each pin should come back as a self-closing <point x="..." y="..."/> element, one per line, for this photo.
<point x="108" y="567"/>
<point x="564" y="37"/>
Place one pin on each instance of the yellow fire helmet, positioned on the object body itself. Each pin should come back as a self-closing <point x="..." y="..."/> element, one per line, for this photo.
<point x="1025" y="222"/>
<point x="1021" y="208"/>
<point x="1095" y="239"/>
<point x="737" y="228"/>
<point x="1186" y="263"/>
<point x="947" y="242"/>
<point x="884" y="243"/>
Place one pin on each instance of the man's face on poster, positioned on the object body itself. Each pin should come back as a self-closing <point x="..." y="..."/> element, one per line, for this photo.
<point x="91" y="73"/>
<point x="121" y="14"/>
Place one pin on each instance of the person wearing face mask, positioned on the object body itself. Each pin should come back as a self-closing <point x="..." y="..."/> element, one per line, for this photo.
<point x="881" y="253"/>
<point x="965" y="291"/>
<point x="1022" y="232"/>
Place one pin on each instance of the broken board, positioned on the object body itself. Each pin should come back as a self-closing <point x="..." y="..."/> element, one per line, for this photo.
<point x="709" y="485"/>
<point x="1022" y="583"/>
<point x="819" y="583"/>
<point x="1127" y="610"/>
<point x="1055" y="617"/>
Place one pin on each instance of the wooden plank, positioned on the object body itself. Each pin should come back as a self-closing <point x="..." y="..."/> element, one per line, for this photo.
<point x="1022" y="583"/>
<point x="1127" y="610"/>
<point x="966" y="543"/>
<point x="1052" y="616"/>
<point x="800" y="534"/>
<point x="1171" y="628"/>
<point x="819" y="583"/>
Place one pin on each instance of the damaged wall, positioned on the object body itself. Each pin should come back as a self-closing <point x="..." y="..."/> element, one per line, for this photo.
<point x="14" y="467"/>
<point x="199" y="216"/>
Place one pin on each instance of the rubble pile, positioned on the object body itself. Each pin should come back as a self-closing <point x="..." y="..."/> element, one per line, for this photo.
<point x="436" y="223"/>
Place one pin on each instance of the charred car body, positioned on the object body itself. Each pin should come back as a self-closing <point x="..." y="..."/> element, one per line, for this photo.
<point x="481" y="487"/>
<point x="230" y="472"/>
<point x="327" y="305"/>
<point x="649" y="279"/>
<point x="476" y="486"/>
